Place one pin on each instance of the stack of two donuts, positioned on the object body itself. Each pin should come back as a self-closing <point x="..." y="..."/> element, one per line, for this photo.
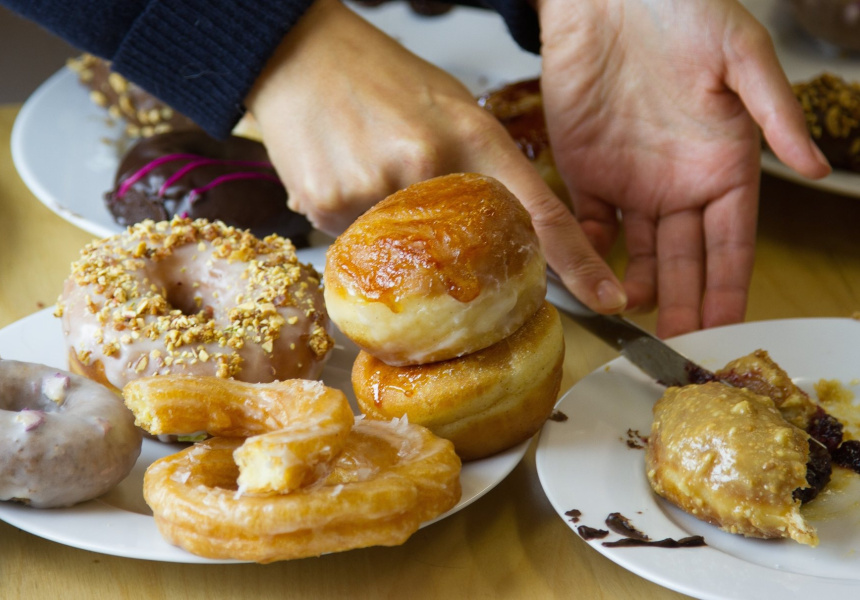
<point x="442" y="285"/>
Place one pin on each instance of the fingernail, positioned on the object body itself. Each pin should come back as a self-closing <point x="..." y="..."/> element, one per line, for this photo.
<point x="818" y="153"/>
<point x="611" y="296"/>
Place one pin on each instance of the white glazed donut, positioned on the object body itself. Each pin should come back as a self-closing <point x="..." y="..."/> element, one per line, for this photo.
<point x="63" y="438"/>
<point x="194" y="298"/>
<point x="443" y="268"/>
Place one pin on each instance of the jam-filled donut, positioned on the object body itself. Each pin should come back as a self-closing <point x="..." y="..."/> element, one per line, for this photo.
<point x="190" y="174"/>
<point x="519" y="107"/>
<point x="193" y="297"/>
<point x="63" y="438"/>
<point x="443" y="268"/>
<point x="484" y="402"/>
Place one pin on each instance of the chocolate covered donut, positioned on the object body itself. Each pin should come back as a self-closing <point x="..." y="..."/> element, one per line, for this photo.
<point x="189" y="174"/>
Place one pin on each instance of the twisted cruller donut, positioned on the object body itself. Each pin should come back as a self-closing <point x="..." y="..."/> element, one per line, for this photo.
<point x="193" y="297"/>
<point x="386" y="479"/>
<point x="292" y="426"/>
<point x="63" y="438"/>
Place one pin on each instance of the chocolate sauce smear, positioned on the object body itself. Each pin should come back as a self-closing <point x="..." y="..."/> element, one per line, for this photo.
<point x="623" y="526"/>
<point x="693" y="541"/>
<point x="558" y="416"/>
<point x="590" y="533"/>
<point x="574" y="515"/>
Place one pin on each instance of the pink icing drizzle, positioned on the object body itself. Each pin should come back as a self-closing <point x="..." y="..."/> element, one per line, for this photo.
<point x="196" y="161"/>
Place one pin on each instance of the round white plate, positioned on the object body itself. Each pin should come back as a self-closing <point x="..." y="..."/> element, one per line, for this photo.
<point x="803" y="58"/>
<point x="67" y="150"/>
<point x="586" y="464"/>
<point x="120" y="523"/>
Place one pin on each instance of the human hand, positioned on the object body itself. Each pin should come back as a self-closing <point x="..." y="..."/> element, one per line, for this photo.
<point x="349" y="116"/>
<point x="652" y="108"/>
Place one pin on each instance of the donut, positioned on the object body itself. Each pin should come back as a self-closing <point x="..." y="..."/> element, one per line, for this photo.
<point x="292" y="426"/>
<point x="484" y="402"/>
<point x="835" y="22"/>
<point x="727" y="456"/>
<point x="190" y="174"/>
<point x="63" y="438"/>
<point x="519" y="107"/>
<point x="193" y="297"/>
<point x="831" y="106"/>
<point x="440" y="269"/>
<point x="142" y="113"/>
<point x="374" y="486"/>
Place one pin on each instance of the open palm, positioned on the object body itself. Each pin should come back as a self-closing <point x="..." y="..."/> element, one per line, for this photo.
<point x="653" y="108"/>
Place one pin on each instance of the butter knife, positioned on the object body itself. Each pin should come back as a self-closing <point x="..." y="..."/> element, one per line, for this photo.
<point x="649" y="353"/>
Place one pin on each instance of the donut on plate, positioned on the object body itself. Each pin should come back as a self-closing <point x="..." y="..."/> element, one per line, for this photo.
<point x="190" y="174"/>
<point x="63" y="438"/>
<point x="484" y="402"/>
<point x="193" y="297"/>
<point x="440" y="269"/>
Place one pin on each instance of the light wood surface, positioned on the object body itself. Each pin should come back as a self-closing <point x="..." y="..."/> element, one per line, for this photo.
<point x="510" y="543"/>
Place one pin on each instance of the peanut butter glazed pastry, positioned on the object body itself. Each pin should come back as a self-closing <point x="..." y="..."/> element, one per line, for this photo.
<point x="727" y="456"/>
<point x="193" y="297"/>
<point x="63" y="438"/>
<point x="443" y="268"/>
<point x="190" y="174"/>
<point x="759" y="373"/>
<point x="144" y="115"/>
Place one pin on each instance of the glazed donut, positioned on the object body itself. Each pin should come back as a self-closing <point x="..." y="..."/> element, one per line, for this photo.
<point x="440" y="269"/>
<point x="484" y="402"/>
<point x="293" y="427"/>
<point x="389" y="478"/>
<point x="193" y="297"/>
<point x="63" y="438"/>
<point x="519" y="107"/>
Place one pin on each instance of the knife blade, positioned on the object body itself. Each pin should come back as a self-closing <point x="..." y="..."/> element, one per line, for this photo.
<point x="649" y="353"/>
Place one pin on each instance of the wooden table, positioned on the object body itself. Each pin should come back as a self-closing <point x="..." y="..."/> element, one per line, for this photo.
<point x="510" y="543"/>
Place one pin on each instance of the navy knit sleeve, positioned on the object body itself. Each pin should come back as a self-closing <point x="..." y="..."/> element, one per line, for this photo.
<point x="202" y="56"/>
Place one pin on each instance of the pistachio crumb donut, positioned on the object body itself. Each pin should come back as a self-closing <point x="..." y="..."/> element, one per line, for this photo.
<point x="443" y="268"/>
<point x="196" y="298"/>
<point x="63" y="438"/>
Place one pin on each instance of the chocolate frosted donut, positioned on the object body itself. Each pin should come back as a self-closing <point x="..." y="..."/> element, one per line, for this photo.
<point x="189" y="174"/>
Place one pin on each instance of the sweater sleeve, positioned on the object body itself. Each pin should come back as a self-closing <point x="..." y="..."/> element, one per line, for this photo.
<point x="199" y="56"/>
<point x="202" y="56"/>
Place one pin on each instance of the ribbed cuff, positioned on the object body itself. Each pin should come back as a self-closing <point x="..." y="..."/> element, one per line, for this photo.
<point x="202" y="56"/>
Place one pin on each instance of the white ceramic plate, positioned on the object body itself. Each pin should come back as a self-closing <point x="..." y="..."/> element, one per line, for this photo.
<point x="585" y="463"/>
<point x="66" y="149"/>
<point x="803" y="58"/>
<point x="120" y="523"/>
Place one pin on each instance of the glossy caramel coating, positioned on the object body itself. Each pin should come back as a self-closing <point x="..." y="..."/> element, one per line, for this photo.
<point x="437" y="270"/>
<point x="726" y="456"/>
<point x="484" y="402"/>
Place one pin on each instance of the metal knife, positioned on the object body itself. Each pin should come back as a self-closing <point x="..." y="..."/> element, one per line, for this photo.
<point x="652" y="355"/>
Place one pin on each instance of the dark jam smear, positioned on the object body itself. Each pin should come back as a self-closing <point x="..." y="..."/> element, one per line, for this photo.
<point x="826" y="429"/>
<point x="558" y="416"/>
<point x="693" y="541"/>
<point x="818" y="470"/>
<point x="623" y="526"/>
<point x="848" y="455"/>
<point x="574" y="515"/>
<point x="590" y="533"/>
